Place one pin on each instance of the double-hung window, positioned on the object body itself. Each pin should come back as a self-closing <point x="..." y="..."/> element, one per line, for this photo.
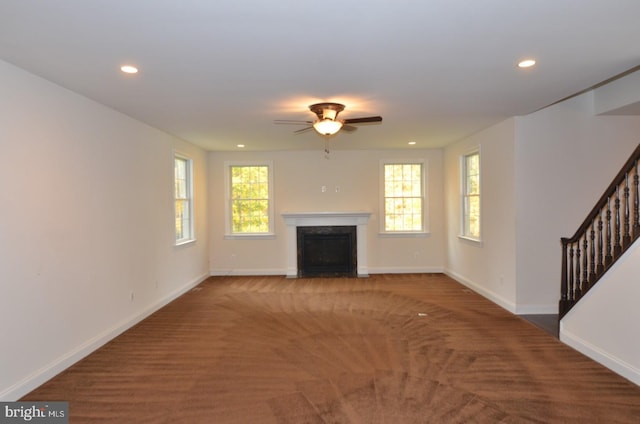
<point x="183" y="196"/>
<point x="403" y="198"/>
<point x="249" y="199"/>
<point x="470" y="204"/>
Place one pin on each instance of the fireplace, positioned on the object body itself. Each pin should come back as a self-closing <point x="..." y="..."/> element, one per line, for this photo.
<point x="358" y="247"/>
<point x="327" y="251"/>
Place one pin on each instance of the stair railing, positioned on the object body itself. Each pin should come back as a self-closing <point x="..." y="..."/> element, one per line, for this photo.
<point x="609" y="229"/>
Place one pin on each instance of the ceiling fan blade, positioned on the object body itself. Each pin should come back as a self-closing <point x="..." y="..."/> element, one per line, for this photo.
<point x="349" y="128"/>
<point x="291" y="122"/>
<point x="302" y="130"/>
<point x="363" y="120"/>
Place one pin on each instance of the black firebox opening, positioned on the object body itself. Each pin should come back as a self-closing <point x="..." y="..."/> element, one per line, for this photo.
<point x="327" y="251"/>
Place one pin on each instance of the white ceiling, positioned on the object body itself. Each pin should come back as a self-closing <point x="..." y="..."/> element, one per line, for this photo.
<point x="218" y="73"/>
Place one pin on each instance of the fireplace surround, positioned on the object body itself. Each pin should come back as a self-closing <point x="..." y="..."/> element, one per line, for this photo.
<point x="359" y="220"/>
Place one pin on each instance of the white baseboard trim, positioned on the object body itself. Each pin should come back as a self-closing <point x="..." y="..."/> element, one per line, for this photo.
<point x="49" y="371"/>
<point x="495" y="298"/>
<point x="499" y="300"/>
<point x="246" y="272"/>
<point x="615" y="364"/>
<point x="406" y="270"/>
<point x="277" y="271"/>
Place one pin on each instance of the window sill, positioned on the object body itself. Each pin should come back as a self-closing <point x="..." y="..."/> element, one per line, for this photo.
<point x="410" y="234"/>
<point x="184" y="242"/>
<point x="470" y="240"/>
<point x="255" y="236"/>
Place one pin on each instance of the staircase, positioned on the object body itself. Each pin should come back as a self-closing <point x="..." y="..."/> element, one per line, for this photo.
<point x="609" y="229"/>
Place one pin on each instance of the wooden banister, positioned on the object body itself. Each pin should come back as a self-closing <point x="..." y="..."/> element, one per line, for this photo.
<point x="607" y="231"/>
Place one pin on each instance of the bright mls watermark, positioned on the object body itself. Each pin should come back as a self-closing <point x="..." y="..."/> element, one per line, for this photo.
<point x="34" y="412"/>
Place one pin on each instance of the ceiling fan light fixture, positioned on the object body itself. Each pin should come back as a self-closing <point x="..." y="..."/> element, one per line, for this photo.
<point x="327" y="126"/>
<point x="328" y="123"/>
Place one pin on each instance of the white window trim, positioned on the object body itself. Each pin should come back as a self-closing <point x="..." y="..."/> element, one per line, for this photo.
<point x="228" y="234"/>
<point x="463" y="172"/>
<point x="190" y="183"/>
<point x="425" y="199"/>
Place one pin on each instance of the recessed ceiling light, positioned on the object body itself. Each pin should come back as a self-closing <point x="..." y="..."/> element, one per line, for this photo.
<point x="241" y="145"/>
<point x="412" y="143"/>
<point x="128" y="69"/>
<point x="526" y="63"/>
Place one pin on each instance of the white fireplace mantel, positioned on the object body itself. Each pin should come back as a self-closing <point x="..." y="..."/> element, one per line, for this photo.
<point x="306" y="219"/>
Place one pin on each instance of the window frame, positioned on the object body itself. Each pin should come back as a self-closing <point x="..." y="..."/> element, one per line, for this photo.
<point x="464" y="224"/>
<point x="423" y="195"/>
<point x="190" y="238"/>
<point x="229" y="234"/>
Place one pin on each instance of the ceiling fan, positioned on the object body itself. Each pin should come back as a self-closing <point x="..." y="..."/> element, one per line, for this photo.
<point x="328" y="123"/>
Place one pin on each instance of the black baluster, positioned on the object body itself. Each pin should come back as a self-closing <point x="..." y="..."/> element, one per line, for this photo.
<point x="585" y="268"/>
<point x="592" y="257"/>
<point x="571" y="277"/>
<point x="636" y="203"/>
<point x="578" y="285"/>
<point x="617" y="248"/>
<point x="608" y="258"/>
<point x="626" y="238"/>
<point x="600" y="267"/>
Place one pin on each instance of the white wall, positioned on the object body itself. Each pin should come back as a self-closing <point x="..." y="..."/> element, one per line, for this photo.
<point x="88" y="216"/>
<point x="604" y="324"/>
<point x="298" y="178"/>
<point x="87" y="219"/>
<point x="565" y="158"/>
<point x="541" y="175"/>
<point x="487" y="267"/>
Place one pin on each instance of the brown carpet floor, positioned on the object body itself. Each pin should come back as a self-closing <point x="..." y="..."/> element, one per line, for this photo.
<point x="385" y="349"/>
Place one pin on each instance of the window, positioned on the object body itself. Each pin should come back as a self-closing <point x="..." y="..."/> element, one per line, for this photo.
<point x="183" y="195"/>
<point x="403" y="197"/>
<point x="249" y="199"/>
<point x="471" y="195"/>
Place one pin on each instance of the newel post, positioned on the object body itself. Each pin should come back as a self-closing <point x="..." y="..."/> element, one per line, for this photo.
<point x="564" y="288"/>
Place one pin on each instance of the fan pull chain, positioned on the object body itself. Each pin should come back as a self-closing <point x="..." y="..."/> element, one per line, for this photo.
<point x="326" y="149"/>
